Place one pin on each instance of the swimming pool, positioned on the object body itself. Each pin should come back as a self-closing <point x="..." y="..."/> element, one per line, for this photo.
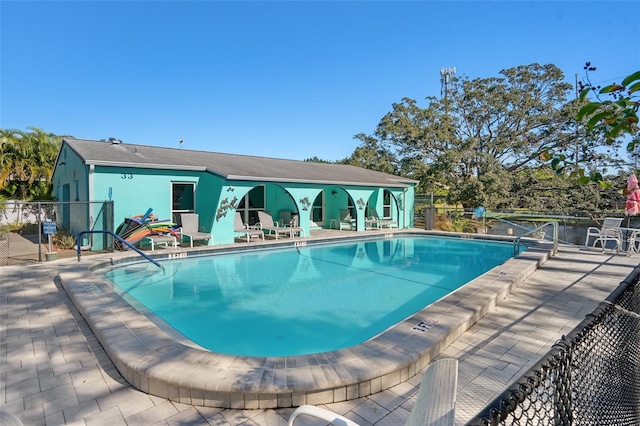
<point x="305" y="300"/>
<point x="158" y="363"/>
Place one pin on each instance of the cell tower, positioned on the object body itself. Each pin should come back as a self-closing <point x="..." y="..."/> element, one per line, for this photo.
<point x="446" y="81"/>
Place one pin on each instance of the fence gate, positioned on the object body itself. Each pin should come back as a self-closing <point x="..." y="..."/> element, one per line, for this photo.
<point x="24" y="226"/>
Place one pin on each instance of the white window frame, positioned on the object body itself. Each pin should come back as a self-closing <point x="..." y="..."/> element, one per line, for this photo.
<point x="175" y="212"/>
<point x="322" y="208"/>
<point x="386" y="208"/>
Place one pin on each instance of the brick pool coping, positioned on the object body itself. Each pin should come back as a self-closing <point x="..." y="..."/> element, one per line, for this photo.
<point x="154" y="362"/>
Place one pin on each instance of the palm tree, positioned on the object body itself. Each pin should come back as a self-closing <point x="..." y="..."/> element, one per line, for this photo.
<point x="26" y="162"/>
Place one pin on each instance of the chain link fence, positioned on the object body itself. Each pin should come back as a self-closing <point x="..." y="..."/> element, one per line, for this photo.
<point x="590" y="377"/>
<point x="24" y="239"/>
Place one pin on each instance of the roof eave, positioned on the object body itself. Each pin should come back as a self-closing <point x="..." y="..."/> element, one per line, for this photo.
<point x="404" y="180"/>
<point x="321" y="182"/>
<point x="399" y="183"/>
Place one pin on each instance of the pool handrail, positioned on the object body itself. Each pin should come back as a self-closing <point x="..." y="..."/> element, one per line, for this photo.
<point x="516" y="242"/>
<point x="119" y="238"/>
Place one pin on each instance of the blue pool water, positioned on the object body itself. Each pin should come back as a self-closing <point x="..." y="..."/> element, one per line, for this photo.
<point x="311" y="299"/>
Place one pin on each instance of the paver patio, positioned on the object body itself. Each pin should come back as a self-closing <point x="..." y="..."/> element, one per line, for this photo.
<point x="53" y="370"/>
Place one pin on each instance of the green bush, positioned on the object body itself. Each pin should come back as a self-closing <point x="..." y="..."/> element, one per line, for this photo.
<point x="63" y="240"/>
<point x="456" y="223"/>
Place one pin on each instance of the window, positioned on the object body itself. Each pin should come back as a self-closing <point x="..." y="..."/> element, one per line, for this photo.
<point x="251" y="203"/>
<point x="317" y="211"/>
<point x="351" y="207"/>
<point x="182" y="197"/>
<point x="386" y="209"/>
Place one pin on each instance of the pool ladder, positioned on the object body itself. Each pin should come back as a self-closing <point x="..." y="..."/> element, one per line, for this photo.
<point x="556" y="228"/>
<point x="119" y="238"/>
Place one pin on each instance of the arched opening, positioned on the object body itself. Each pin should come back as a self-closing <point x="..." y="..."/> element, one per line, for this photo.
<point x="272" y="199"/>
<point x="382" y="210"/>
<point x="252" y="202"/>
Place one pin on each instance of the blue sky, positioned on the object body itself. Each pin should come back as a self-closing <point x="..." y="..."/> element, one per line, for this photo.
<point x="290" y="79"/>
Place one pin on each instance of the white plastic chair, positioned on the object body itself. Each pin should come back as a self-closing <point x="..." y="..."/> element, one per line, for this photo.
<point x="346" y="220"/>
<point x="239" y="227"/>
<point x="633" y="242"/>
<point x="266" y="223"/>
<point x="610" y="231"/>
<point x="435" y="404"/>
<point x="381" y="222"/>
<point x="189" y="228"/>
<point x="294" y="227"/>
<point x="156" y="239"/>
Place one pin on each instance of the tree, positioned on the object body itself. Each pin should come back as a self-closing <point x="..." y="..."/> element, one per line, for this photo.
<point x="371" y="155"/>
<point x="486" y="130"/>
<point x="612" y="117"/>
<point x="26" y="162"/>
<point x="615" y="117"/>
<point x="606" y="121"/>
<point x="542" y="190"/>
<point x="316" y="159"/>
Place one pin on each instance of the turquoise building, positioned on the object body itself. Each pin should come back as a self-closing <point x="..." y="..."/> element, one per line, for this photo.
<point x="214" y="185"/>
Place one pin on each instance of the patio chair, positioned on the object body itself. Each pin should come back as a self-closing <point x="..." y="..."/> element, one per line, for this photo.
<point x="346" y="220"/>
<point x="371" y="223"/>
<point x="633" y="242"/>
<point x="289" y="220"/>
<point x="268" y="225"/>
<point x="166" y="239"/>
<point x="381" y="222"/>
<point x="610" y="231"/>
<point x="189" y="228"/>
<point x="435" y="403"/>
<point x="285" y="218"/>
<point x="240" y="228"/>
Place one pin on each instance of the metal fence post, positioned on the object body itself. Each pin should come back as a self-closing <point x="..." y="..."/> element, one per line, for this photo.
<point x="39" y="223"/>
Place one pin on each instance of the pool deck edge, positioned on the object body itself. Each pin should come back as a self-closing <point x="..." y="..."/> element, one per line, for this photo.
<point x="153" y="362"/>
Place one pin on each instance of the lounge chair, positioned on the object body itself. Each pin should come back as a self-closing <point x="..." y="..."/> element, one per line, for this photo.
<point x="285" y="218"/>
<point x="268" y="225"/>
<point x="376" y="221"/>
<point x="434" y="406"/>
<point x="166" y="239"/>
<point x="371" y="223"/>
<point x="290" y="220"/>
<point x="189" y="228"/>
<point x="346" y="220"/>
<point x="610" y="231"/>
<point x="240" y="228"/>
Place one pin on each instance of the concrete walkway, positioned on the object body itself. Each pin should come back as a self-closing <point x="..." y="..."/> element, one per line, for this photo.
<point x="53" y="371"/>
